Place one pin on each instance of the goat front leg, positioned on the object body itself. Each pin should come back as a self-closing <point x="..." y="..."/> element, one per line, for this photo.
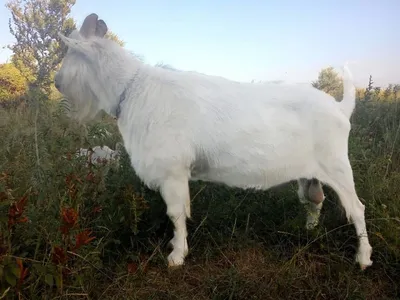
<point x="312" y="196"/>
<point x="175" y="192"/>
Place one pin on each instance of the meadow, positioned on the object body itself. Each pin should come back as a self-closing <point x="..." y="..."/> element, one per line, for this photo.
<point x="69" y="231"/>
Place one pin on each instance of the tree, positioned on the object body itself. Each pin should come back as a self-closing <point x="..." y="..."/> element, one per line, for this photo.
<point x="377" y="93"/>
<point x="360" y="93"/>
<point x="368" y="90"/>
<point x="35" y="25"/>
<point x="388" y="92"/>
<point x="396" y="89"/>
<point x="24" y="70"/>
<point x="330" y="82"/>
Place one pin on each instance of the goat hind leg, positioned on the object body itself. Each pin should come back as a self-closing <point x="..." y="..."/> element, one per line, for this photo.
<point x="340" y="178"/>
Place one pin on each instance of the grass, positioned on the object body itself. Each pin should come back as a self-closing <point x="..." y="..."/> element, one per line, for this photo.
<point x="69" y="232"/>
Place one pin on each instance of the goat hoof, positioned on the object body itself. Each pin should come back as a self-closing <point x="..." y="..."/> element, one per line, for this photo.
<point x="363" y="267"/>
<point x="363" y="259"/>
<point x="175" y="259"/>
<point x="174" y="267"/>
<point x="172" y="264"/>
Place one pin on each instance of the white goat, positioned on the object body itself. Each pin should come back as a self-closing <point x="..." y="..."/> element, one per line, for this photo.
<point x="181" y="126"/>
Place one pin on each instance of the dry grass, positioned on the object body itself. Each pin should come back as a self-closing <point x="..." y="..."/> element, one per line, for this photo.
<point x="253" y="273"/>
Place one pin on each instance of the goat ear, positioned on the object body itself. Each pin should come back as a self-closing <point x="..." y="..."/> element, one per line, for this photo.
<point x="80" y="46"/>
<point x="101" y="28"/>
<point x="89" y="25"/>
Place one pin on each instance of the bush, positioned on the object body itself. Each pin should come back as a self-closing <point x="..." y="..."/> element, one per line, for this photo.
<point x="12" y="84"/>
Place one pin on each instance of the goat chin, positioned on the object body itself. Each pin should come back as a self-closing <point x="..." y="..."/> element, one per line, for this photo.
<point x="181" y="126"/>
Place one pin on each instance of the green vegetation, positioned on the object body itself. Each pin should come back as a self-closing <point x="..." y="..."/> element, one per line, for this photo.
<point x="100" y="234"/>
<point x="72" y="232"/>
<point x="12" y="83"/>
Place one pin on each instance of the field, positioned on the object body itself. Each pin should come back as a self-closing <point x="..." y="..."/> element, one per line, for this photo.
<point x="73" y="232"/>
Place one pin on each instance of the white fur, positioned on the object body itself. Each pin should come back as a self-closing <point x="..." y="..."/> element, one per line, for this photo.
<point x="181" y="126"/>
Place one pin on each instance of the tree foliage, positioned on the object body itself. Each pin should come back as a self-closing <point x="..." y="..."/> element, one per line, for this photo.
<point x="35" y="24"/>
<point x="112" y="36"/>
<point x="24" y="70"/>
<point x="330" y="82"/>
<point x="12" y="83"/>
<point x="368" y="90"/>
<point x="38" y="50"/>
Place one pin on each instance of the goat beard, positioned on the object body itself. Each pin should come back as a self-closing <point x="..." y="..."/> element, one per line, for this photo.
<point x="83" y="111"/>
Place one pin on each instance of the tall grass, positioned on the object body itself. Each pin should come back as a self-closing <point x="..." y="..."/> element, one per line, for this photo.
<point x="72" y="232"/>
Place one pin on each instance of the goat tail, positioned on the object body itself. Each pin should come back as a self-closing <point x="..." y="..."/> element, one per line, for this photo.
<point x="348" y="103"/>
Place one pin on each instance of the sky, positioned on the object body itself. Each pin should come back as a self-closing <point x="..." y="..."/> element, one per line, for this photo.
<point x="261" y="40"/>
